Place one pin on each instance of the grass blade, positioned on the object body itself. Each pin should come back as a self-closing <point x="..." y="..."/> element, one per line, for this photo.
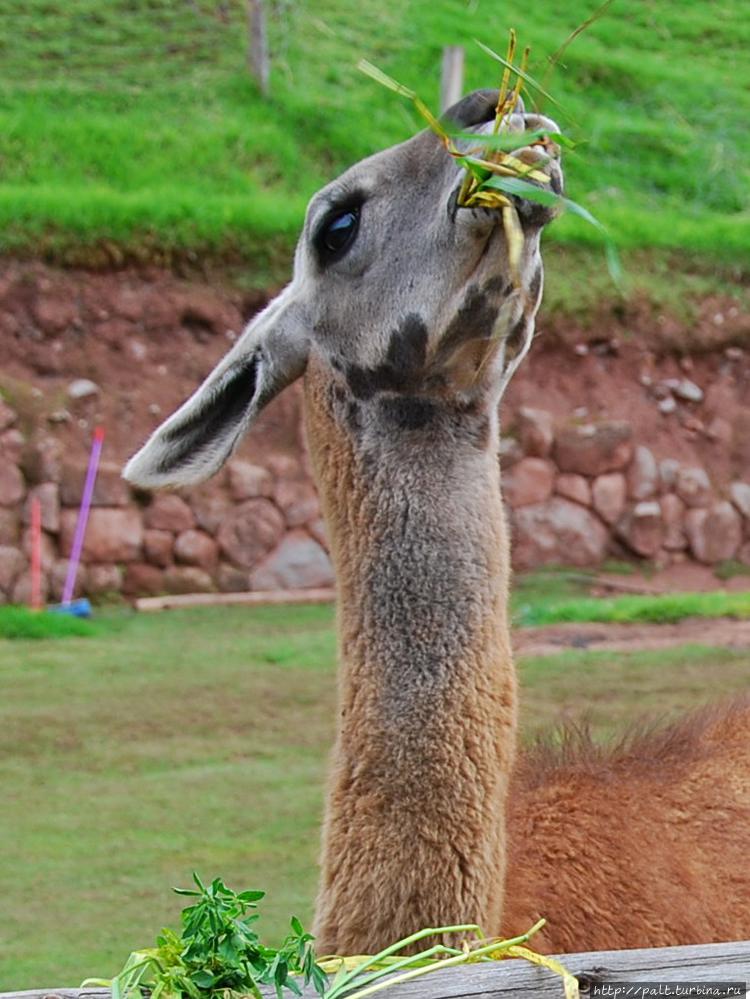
<point x="526" y="77"/>
<point x="382" y="78"/>
<point x="557" y="55"/>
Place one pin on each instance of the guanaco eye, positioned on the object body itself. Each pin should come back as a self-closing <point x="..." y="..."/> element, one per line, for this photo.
<point x="337" y="235"/>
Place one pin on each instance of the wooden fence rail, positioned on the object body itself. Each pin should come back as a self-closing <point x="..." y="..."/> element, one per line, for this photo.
<point x="706" y="963"/>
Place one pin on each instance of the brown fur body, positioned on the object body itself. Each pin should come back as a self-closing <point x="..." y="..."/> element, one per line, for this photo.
<point x="644" y="845"/>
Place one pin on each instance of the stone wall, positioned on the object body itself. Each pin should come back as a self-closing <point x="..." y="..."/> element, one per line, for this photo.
<point x="583" y="491"/>
<point x="577" y="493"/>
<point x="253" y="527"/>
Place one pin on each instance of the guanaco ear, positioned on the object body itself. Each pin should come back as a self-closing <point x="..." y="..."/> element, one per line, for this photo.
<point x="195" y="441"/>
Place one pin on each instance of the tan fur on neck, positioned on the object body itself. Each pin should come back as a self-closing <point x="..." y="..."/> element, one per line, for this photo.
<point x="423" y="791"/>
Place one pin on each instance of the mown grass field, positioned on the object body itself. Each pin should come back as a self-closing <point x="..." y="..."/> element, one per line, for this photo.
<point x="198" y="740"/>
<point x="133" y="125"/>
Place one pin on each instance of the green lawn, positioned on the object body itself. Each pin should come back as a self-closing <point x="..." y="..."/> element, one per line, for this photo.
<point x="198" y="740"/>
<point x="134" y="124"/>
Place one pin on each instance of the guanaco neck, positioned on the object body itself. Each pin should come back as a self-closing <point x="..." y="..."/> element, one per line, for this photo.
<point x="414" y="830"/>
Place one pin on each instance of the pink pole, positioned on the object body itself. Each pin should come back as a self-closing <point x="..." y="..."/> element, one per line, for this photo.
<point x="36" y="553"/>
<point x="83" y="515"/>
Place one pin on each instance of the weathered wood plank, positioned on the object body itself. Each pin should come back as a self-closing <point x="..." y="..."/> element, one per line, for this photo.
<point x="726" y="962"/>
<point x="256" y="598"/>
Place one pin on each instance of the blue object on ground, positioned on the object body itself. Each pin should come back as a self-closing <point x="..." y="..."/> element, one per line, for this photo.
<point x="76" y="608"/>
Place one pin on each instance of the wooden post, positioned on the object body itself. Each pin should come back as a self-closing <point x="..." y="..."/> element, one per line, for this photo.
<point x="257" y="47"/>
<point x="452" y="76"/>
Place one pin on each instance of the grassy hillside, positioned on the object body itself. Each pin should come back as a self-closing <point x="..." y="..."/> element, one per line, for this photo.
<point x="133" y="124"/>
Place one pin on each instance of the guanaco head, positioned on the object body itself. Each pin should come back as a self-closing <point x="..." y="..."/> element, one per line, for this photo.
<point x="406" y="301"/>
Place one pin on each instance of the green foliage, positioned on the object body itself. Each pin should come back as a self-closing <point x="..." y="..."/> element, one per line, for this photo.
<point x="21" y="622"/>
<point x="661" y="608"/>
<point x="218" y="952"/>
<point x="133" y="126"/>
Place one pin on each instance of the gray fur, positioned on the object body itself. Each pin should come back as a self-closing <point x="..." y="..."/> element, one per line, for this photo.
<point x="393" y="317"/>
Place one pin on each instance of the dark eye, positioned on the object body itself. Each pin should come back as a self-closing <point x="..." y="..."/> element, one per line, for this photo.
<point x="337" y="234"/>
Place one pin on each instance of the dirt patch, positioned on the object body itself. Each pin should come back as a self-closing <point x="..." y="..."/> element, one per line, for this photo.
<point x="720" y="632"/>
<point x="147" y="338"/>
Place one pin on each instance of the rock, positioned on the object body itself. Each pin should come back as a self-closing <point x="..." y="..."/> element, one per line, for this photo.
<point x="169" y="512"/>
<point x="739" y="493"/>
<point x="110" y="489"/>
<point x="10" y="526"/>
<point x="693" y="487"/>
<point x="137" y="349"/>
<point x="298" y="501"/>
<point x="509" y="452"/>
<point x="82" y="388"/>
<point x="12" y="485"/>
<point x="250" y="531"/>
<point x="187" y="579"/>
<point x="142" y="580"/>
<point x="8" y="416"/>
<point x="744" y="553"/>
<point x="669" y="469"/>
<point x="714" y="533"/>
<point x="557" y="531"/>
<point x="60" y="416"/>
<point x="48" y="549"/>
<point x="642" y="474"/>
<point x="11" y="564"/>
<point x="673" y="515"/>
<point x="297" y="563"/>
<point x="53" y="312"/>
<point x="210" y="507"/>
<point x="12" y="444"/>
<point x="593" y="449"/>
<point x="48" y="494"/>
<point x="686" y="390"/>
<point x="536" y="431"/>
<point x="608" y="496"/>
<point x="196" y="548"/>
<point x="43" y="460"/>
<point x="319" y="531"/>
<point x="128" y="303"/>
<point x="529" y="481"/>
<point x="693" y="426"/>
<point x="157" y="547"/>
<point x="720" y="430"/>
<point x="58" y="575"/>
<point x="248" y="481"/>
<point x="21" y="593"/>
<point x="666" y="405"/>
<point x="103" y="580"/>
<point x="112" y="535"/>
<point x="230" y="579"/>
<point x="284" y="466"/>
<point x="574" y="487"/>
<point x="642" y="528"/>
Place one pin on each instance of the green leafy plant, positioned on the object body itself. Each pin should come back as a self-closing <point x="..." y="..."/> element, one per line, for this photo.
<point x="218" y="952"/>
<point x="219" y="955"/>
